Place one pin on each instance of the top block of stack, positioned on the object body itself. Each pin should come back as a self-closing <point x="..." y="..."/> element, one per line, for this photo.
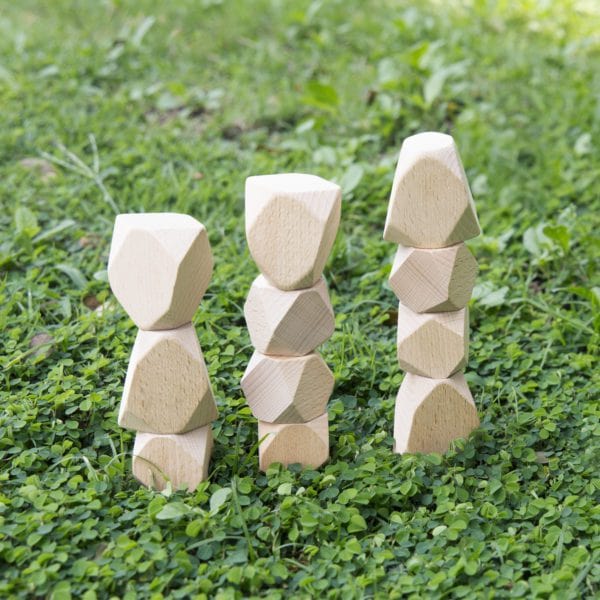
<point x="291" y="223"/>
<point x="159" y="267"/>
<point x="431" y="204"/>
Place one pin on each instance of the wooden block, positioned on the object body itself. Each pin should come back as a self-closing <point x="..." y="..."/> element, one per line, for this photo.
<point x="431" y="413"/>
<point x="431" y="204"/>
<point x="429" y="281"/>
<point x="167" y="389"/>
<point x="159" y="267"/>
<point x="181" y="459"/>
<point x="287" y="389"/>
<point x="288" y="323"/>
<point x="304" y="443"/>
<point x="433" y="344"/>
<point x="291" y="224"/>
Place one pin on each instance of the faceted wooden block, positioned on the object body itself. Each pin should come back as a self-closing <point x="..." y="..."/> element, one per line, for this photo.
<point x="433" y="344"/>
<point x="431" y="413"/>
<point x="438" y="280"/>
<point x="288" y="323"/>
<point x="167" y="389"/>
<point x="431" y="204"/>
<point x="291" y="223"/>
<point x="181" y="459"/>
<point x="286" y="389"/>
<point x="304" y="443"/>
<point x="159" y="267"/>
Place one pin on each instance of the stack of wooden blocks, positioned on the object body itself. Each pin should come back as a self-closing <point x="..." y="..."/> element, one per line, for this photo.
<point x="291" y="224"/>
<point x="159" y="267"/>
<point x="431" y="213"/>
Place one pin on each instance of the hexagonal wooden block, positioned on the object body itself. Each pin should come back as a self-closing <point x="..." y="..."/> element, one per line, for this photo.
<point x="438" y="280"/>
<point x="291" y="224"/>
<point x="287" y="389"/>
<point x="304" y="443"/>
<point x="433" y="344"/>
<point x="159" y="267"/>
<point x="432" y="413"/>
<point x="181" y="459"/>
<point x="288" y="323"/>
<point x="431" y="204"/>
<point x="167" y="389"/>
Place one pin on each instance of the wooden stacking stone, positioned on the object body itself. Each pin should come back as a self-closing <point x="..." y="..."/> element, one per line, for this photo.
<point x="305" y="443"/>
<point x="432" y="345"/>
<point x="431" y="413"/>
<point x="181" y="459"/>
<point x="291" y="224"/>
<point x="288" y="323"/>
<point x="159" y="267"/>
<point x="430" y="215"/>
<point x="436" y="280"/>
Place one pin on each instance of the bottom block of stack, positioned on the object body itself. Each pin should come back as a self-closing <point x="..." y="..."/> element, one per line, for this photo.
<point x="182" y="459"/>
<point x="432" y="413"/>
<point x="304" y="443"/>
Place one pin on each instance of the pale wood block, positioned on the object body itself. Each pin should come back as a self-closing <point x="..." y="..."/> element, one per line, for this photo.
<point x="433" y="344"/>
<point x="287" y="389"/>
<point x="159" y="267"/>
<point x="167" y="388"/>
<point x="290" y="323"/>
<point x="181" y="459"/>
<point x="431" y="204"/>
<point x="432" y="413"/>
<point x="291" y="224"/>
<point x="304" y="443"/>
<point x="439" y="280"/>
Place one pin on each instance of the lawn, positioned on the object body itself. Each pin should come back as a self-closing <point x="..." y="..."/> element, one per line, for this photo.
<point x="125" y="105"/>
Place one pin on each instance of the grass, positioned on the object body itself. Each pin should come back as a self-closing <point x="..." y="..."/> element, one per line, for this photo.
<point x="130" y="106"/>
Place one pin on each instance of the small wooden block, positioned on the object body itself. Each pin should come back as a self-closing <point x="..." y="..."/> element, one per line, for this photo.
<point x="167" y="389"/>
<point x="304" y="443"/>
<point x="433" y="344"/>
<point x="286" y="389"/>
<point x="288" y="323"/>
<point x="431" y="204"/>
<point x="432" y="413"/>
<point x="159" y="267"/>
<point x="429" y="281"/>
<point x="181" y="459"/>
<point x="291" y="224"/>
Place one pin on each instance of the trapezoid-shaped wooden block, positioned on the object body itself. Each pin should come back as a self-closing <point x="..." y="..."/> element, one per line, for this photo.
<point x="182" y="459"/>
<point x="431" y="204"/>
<point x="291" y="224"/>
<point x="159" y="267"/>
<point x="289" y="443"/>
<point x="167" y="388"/>
<point x="287" y="389"/>
<point x="439" y="280"/>
<point x="433" y="344"/>
<point x="290" y="323"/>
<point x="432" y="413"/>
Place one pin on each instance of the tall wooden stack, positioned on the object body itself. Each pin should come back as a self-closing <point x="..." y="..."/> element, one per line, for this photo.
<point x="291" y="224"/>
<point x="159" y="267"/>
<point x="431" y="213"/>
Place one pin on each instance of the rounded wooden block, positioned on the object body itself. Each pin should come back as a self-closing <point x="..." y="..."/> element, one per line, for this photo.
<point x="181" y="459"/>
<point x="286" y="389"/>
<point x="291" y="224"/>
<point x="288" y="323"/>
<point x="438" y="280"/>
<point x="167" y="389"/>
<point x="304" y="443"/>
<point x="433" y="344"/>
<point x="159" y="267"/>
<point x="432" y="413"/>
<point x="431" y="204"/>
